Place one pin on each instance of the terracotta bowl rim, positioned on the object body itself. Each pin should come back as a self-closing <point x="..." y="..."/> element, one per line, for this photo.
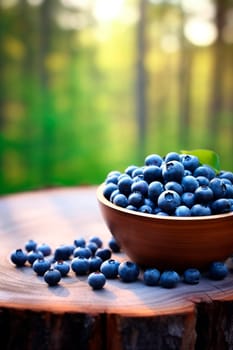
<point x="107" y="203"/>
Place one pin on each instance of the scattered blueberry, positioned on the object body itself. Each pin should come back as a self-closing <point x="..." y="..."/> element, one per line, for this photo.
<point x="114" y="245"/>
<point x="96" y="280"/>
<point x="169" y="279"/>
<point x="191" y="276"/>
<point x="218" y="270"/>
<point x="52" y="277"/>
<point x="80" y="265"/>
<point x="128" y="271"/>
<point x="18" y="257"/>
<point x="110" y="268"/>
<point x="63" y="267"/>
<point x="45" y="249"/>
<point x="30" y="245"/>
<point x="151" y="277"/>
<point x="33" y="255"/>
<point x="104" y="253"/>
<point x="94" y="263"/>
<point x="41" y="265"/>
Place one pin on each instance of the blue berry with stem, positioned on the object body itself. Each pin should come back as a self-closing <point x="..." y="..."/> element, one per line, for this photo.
<point x="151" y="276"/>
<point x="114" y="245"/>
<point x="169" y="279"/>
<point x="104" y="253"/>
<point x="94" y="263"/>
<point x="52" y="277"/>
<point x="218" y="270"/>
<point x="96" y="280"/>
<point x="110" y="268"/>
<point x="191" y="276"/>
<point x="80" y="265"/>
<point x="33" y="255"/>
<point x="30" y="245"/>
<point x="128" y="271"/>
<point x="18" y="257"/>
<point x="45" y="249"/>
<point x="41" y="265"/>
<point x="63" y="267"/>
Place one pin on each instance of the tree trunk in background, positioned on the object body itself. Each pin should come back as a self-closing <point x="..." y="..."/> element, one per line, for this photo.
<point x="184" y="86"/>
<point x="141" y="110"/>
<point x="216" y="102"/>
<point x="45" y="37"/>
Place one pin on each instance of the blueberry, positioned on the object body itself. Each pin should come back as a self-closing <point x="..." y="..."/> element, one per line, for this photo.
<point x="18" y="257"/>
<point x="129" y="170"/>
<point x="30" y="245"/>
<point x="131" y="207"/>
<point x="153" y="159"/>
<point x="120" y="200"/>
<point x="155" y="188"/>
<point x="52" y="277"/>
<point x="104" y="253"/>
<point x="96" y="280"/>
<point x="172" y="156"/>
<point x="204" y="170"/>
<point x="41" y="265"/>
<point x="146" y="209"/>
<point x="80" y="265"/>
<point x="137" y="174"/>
<point x="200" y="210"/>
<point x="128" y="271"/>
<point x="63" y="252"/>
<point x="182" y="210"/>
<point x="136" y="199"/>
<point x="190" y="162"/>
<point x="109" y="189"/>
<point x="151" y="277"/>
<point x="189" y="183"/>
<point x="229" y="191"/>
<point x="169" y="279"/>
<point x="188" y="199"/>
<point x="152" y="173"/>
<point x="45" y="249"/>
<point x="112" y="180"/>
<point x="82" y="252"/>
<point x="33" y="255"/>
<point x="94" y="263"/>
<point x="226" y="175"/>
<point x="191" y="276"/>
<point x="221" y="206"/>
<point x="168" y="201"/>
<point x="218" y="270"/>
<point x="124" y="185"/>
<point x="140" y="186"/>
<point x="203" y="194"/>
<point x="63" y="267"/>
<point x="92" y="246"/>
<point x="172" y="171"/>
<point x="174" y="186"/>
<point x="110" y="268"/>
<point x="114" y="245"/>
<point x="113" y="195"/>
<point x="202" y="180"/>
<point x="80" y="242"/>
<point x="97" y="240"/>
<point x="218" y="187"/>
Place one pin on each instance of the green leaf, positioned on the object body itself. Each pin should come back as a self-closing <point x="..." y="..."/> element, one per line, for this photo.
<point x="205" y="156"/>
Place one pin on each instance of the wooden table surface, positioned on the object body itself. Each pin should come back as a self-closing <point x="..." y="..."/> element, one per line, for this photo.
<point x="121" y="315"/>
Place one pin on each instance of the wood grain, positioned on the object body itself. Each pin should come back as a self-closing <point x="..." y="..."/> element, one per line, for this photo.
<point x="115" y="317"/>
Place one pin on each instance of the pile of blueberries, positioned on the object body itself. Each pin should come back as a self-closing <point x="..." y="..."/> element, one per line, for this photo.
<point x="96" y="262"/>
<point x="174" y="185"/>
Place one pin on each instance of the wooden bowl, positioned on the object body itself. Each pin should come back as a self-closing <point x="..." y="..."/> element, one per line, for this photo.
<point x="169" y="242"/>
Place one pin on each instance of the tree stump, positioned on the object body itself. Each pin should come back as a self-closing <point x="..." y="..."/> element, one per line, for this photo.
<point x="121" y="316"/>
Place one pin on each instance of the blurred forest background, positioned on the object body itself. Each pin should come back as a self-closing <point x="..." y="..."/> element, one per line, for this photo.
<point x="89" y="86"/>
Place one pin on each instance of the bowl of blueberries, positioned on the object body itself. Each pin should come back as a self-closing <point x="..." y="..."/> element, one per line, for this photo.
<point x="171" y="212"/>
